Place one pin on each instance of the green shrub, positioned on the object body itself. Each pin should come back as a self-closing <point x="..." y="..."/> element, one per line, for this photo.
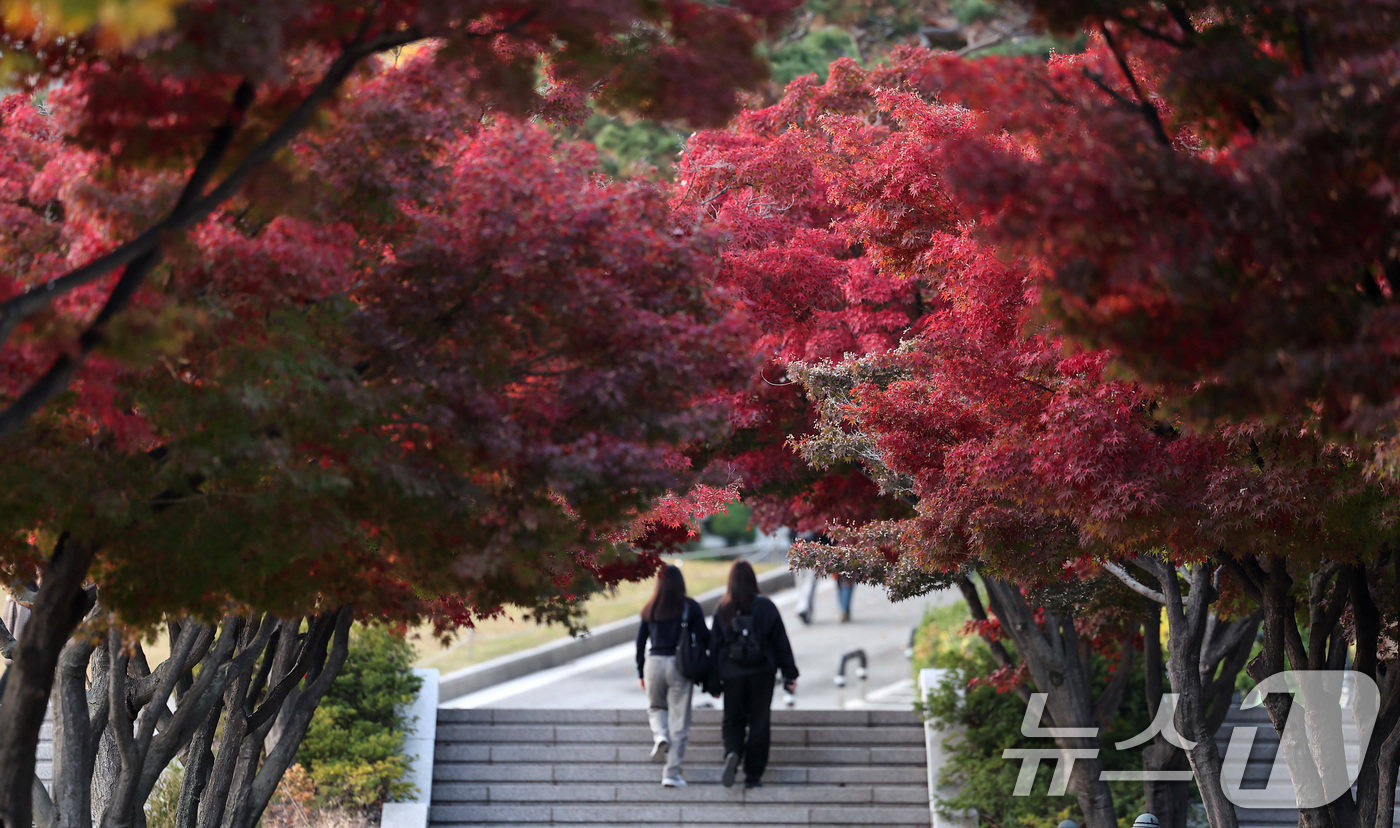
<point x="974" y="11"/>
<point x="353" y="749"/>
<point x="813" y="53"/>
<point x="627" y="149"/>
<point x="732" y="524"/>
<point x="990" y="722"/>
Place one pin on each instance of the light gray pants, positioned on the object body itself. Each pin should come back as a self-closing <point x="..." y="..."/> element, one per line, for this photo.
<point x="806" y="591"/>
<point x="668" y="707"/>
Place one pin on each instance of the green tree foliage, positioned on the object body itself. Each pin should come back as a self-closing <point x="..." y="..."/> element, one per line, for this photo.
<point x="733" y="524"/>
<point x="630" y="148"/>
<point x="813" y="53"/>
<point x="354" y="747"/>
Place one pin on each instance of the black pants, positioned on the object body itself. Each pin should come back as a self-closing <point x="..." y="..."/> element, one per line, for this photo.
<point x="748" y="703"/>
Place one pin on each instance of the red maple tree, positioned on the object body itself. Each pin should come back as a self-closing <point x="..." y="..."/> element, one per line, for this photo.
<point x="1023" y="456"/>
<point x="319" y="329"/>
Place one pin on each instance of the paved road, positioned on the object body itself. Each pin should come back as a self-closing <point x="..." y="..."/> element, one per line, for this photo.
<point x="609" y="679"/>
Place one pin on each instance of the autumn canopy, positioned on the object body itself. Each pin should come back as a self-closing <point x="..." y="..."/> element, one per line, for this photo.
<point x="315" y="311"/>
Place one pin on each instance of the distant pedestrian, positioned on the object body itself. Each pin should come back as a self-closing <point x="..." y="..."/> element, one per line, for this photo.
<point x="845" y="590"/>
<point x="748" y="644"/>
<point x="668" y="692"/>
<point x="806" y="582"/>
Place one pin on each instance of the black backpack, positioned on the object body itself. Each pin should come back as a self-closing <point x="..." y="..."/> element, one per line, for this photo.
<point x="692" y="656"/>
<point x="745" y="647"/>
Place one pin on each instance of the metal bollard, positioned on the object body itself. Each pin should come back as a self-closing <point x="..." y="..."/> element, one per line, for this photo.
<point x="861" y="673"/>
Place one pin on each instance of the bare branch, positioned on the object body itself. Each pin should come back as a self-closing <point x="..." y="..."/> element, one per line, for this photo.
<point x="1149" y="112"/>
<point x="1112" y="695"/>
<point x="1134" y="584"/>
<point x="244" y="814"/>
<point x="1098" y="80"/>
<point x="321" y="629"/>
<point x="1155" y="34"/>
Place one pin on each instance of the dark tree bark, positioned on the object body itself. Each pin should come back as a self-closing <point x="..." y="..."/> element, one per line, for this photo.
<point x="58" y="608"/>
<point x="1331" y="589"/>
<point x="1057" y="664"/>
<point x="229" y="684"/>
<point x="1204" y="655"/>
<point x="1168" y="801"/>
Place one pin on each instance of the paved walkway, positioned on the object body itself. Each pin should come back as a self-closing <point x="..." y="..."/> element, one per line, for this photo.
<point x="609" y="679"/>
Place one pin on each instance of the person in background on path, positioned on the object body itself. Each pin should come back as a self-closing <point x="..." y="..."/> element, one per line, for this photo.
<point x="807" y="580"/>
<point x="668" y="692"/>
<point x="747" y="645"/>
<point x="845" y="589"/>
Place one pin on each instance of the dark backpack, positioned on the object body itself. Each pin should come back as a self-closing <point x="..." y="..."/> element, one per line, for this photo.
<point x="692" y="656"/>
<point x="745" y="647"/>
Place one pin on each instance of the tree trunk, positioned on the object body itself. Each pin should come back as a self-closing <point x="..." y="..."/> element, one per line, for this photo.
<point x="115" y="734"/>
<point x="1170" y="802"/>
<point x="1054" y="658"/>
<point x="58" y="608"/>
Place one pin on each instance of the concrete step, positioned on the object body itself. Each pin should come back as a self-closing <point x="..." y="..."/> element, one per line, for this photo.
<point x="447" y="752"/>
<point x="498" y="793"/>
<point x="662" y="813"/>
<point x="593" y="767"/>
<point x="781" y="718"/>
<point x="597" y="734"/>
<point x="694" y="772"/>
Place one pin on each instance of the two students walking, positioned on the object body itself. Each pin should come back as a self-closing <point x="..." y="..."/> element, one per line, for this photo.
<point x="747" y="645"/>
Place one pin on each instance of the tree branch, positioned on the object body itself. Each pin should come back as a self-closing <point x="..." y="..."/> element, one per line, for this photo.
<point x="1134" y="584"/>
<point x="245" y="813"/>
<point x="1188" y="29"/>
<point x="1112" y="695"/>
<point x="1098" y="80"/>
<point x="58" y="609"/>
<point x="321" y="629"/>
<point x="1148" y="31"/>
<point x="1154" y="119"/>
<point x="979" y="613"/>
<point x="142" y="254"/>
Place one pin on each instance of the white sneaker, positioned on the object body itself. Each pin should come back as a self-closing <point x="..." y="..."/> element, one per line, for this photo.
<point x="658" y="750"/>
<point x="672" y="782"/>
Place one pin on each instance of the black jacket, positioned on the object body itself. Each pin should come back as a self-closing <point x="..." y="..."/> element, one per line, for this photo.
<point x="768" y="624"/>
<point x="666" y="635"/>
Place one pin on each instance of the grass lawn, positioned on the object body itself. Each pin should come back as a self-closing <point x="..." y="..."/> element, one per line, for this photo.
<point x="502" y="636"/>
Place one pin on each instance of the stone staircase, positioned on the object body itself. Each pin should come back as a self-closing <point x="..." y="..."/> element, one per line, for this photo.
<point x="591" y="767"/>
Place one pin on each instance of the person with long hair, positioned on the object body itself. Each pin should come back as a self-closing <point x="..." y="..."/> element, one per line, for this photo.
<point x="748" y="644"/>
<point x="668" y="692"/>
